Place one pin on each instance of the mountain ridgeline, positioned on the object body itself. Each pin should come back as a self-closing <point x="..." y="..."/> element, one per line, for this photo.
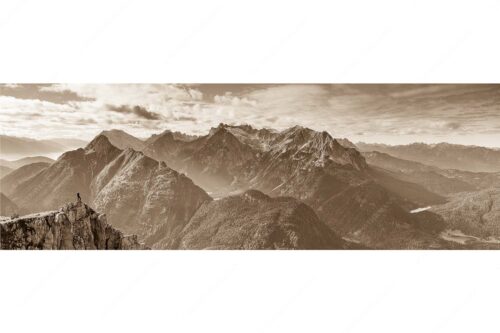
<point x="244" y="188"/>
<point x="443" y="155"/>
<point x="310" y="166"/>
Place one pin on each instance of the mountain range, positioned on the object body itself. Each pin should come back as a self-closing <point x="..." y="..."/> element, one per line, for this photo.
<point x="442" y="155"/>
<point x="19" y="146"/>
<point x="14" y="164"/>
<point x="244" y="188"/>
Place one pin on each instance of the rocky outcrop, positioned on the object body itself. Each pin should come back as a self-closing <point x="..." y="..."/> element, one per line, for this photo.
<point x="75" y="226"/>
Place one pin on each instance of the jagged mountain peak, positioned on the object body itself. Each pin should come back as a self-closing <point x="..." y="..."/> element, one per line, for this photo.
<point x="221" y="128"/>
<point x="299" y="134"/>
<point x="227" y="127"/>
<point x="113" y="130"/>
<point x="297" y="130"/>
<point x="245" y="127"/>
<point x="100" y="143"/>
<point x="221" y="133"/>
<point x="122" y="139"/>
<point x="314" y="148"/>
<point x="131" y="156"/>
<point x="346" y="143"/>
<point x="168" y="136"/>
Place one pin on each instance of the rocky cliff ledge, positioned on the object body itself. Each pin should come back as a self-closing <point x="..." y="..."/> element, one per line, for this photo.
<point x="75" y="226"/>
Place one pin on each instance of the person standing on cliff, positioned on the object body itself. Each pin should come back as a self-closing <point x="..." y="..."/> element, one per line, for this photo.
<point x="78" y="198"/>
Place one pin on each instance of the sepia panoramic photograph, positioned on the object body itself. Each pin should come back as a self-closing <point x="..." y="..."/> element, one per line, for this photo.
<point x="262" y="166"/>
<point x="250" y="166"/>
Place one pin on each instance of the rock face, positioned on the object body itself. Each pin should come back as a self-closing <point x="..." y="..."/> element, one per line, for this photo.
<point x="254" y="220"/>
<point x="74" y="227"/>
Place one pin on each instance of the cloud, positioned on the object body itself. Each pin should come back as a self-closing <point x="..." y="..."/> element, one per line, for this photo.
<point x="453" y="125"/>
<point x="85" y="121"/>
<point x="137" y="110"/>
<point x="152" y="96"/>
<point x="229" y="99"/>
<point x="185" y="118"/>
<point x="384" y="113"/>
<point x="41" y="92"/>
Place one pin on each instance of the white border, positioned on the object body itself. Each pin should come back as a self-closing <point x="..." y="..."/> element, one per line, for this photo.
<point x="387" y="41"/>
<point x="224" y="41"/>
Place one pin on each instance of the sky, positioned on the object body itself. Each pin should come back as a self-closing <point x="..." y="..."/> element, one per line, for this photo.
<point x="383" y="113"/>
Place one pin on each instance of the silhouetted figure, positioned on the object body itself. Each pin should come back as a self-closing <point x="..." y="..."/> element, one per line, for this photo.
<point x="78" y="198"/>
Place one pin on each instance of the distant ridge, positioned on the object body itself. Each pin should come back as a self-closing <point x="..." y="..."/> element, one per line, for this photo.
<point x="15" y="164"/>
<point x="442" y="155"/>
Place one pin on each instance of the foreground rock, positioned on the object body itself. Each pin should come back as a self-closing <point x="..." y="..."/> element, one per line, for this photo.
<point x="254" y="220"/>
<point x="73" y="227"/>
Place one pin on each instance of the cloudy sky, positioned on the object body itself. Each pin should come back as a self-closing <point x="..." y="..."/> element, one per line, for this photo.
<point x="394" y="114"/>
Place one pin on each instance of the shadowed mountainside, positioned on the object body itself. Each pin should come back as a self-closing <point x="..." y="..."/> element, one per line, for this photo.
<point x="253" y="220"/>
